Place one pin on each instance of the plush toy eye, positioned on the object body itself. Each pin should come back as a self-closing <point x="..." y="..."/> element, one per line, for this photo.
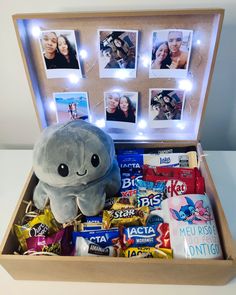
<point x="95" y="160"/>
<point x="63" y="170"/>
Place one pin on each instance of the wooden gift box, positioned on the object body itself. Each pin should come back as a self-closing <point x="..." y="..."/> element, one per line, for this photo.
<point x="206" y="25"/>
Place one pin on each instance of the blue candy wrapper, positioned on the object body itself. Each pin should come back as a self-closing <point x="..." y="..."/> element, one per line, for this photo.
<point x="103" y="238"/>
<point x="150" y="193"/>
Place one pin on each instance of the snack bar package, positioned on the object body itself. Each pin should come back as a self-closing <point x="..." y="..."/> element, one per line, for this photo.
<point x="178" y="181"/>
<point x="87" y="248"/>
<point x="150" y="193"/>
<point x="187" y="160"/>
<point x="125" y="216"/>
<point x="148" y="252"/>
<point x="103" y="238"/>
<point x="147" y="236"/>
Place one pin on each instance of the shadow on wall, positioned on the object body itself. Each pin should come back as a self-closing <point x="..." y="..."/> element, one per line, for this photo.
<point x="219" y="124"/>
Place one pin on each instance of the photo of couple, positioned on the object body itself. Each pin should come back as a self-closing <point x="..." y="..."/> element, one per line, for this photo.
<point x="121" y="107"/>
<point x="118" y="50"/>
<point x="71" y="106"/>
<point x="170" y="53"/>
<point x="59" y="53"/>
<point x="166" y="106"/>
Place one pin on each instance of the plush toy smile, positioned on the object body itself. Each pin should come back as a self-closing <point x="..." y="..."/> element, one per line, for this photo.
<point x="76" y="167"/>
<point x="82" y="173"/>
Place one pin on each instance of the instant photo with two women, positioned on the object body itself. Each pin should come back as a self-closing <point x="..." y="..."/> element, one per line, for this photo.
<point x="60" y="53"/>
<point x="121" y="109"/>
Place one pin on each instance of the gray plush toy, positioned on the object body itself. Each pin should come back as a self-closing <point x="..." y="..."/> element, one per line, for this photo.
<point x="76" y="167"/>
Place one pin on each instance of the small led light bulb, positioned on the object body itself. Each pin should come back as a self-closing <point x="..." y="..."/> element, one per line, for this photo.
<point x="52" y="106"/>
<point x="83" y="54"/>
<point x="100" y="123"/>
<point x="145" y="61"/>
<point x="181" y="126"/>
<point x="36" y="31"/>
<point x="90" y="117"/>
<point x="142" y="124"/>
<point x="185" y="85"/>
<point x="198" y="42"/>
<point x="73" y="79"/>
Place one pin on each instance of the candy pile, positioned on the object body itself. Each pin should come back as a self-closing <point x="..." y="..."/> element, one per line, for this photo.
<point x="126" y="227"/>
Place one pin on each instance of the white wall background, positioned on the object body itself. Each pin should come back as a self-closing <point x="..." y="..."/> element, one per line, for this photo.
<point x="18" y="125"/>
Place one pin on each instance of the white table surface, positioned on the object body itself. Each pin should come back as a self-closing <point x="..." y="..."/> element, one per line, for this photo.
<point x="15" y="166"/>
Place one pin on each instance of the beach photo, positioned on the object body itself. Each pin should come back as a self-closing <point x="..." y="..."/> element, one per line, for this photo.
<point x="71" y="106"/>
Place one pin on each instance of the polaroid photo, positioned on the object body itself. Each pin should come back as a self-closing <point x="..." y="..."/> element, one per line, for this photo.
<point x="71" y="106"/>
<point x="165" y="107"/>
<point x="60" y="53"/>
<point x="121" y="109"/>
<point x="170" y="54"/>
<point x="118" y="53"/>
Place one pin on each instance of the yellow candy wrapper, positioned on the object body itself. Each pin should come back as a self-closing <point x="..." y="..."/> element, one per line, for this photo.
<point x="148" y="252"/>
<point x="124" y="202"/>
<point x="125" y="216"/>
<point x="41" y="225"/>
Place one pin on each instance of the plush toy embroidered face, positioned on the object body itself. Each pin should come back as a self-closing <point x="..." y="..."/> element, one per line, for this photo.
<point x="75" y="165"/>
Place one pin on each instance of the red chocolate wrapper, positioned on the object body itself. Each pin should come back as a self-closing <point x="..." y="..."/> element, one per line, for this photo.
<point x="156" y="235"/>
<point x="179" y="181"/>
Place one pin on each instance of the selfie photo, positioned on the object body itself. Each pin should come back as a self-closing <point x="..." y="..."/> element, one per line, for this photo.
<point x="170" y="53"/>
<point x="121" y="109"/>
<point x="165" y="107"/>
<point x="59" y="53"/>
<point x="117" y="53"/>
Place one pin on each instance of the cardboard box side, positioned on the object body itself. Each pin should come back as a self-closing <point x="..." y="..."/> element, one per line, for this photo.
<point x="219" y="21"/>
<point x="115" y="270"/>
<point x="117" y="13"/>
<point x="30" y="74"/>
<point x="10" y="242"/>
<point x="221" y="221"/>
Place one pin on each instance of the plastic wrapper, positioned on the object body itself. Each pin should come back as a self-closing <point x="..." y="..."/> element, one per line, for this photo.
<point x="148" y="252"/>
<point x="150" y="193"/>
<point x="59" y="243"/>
<point x="124" y="202"/>
<point x="126" y="216"/>
<point x="178" y="181"/>
<point x="41" y="225"/>
<point x="103" y="238"/>
<point x="87" y="248"/>
<point x="157" y="235"/>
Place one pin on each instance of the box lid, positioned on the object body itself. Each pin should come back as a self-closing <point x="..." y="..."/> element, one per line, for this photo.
<point x="203" y="29"/>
